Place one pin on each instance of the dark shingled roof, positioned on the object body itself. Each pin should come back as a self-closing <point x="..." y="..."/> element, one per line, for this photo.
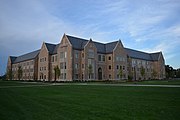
<point x="27" y="56"/>
<point x="79" y="43"/>
<point x="142" y="55"/>
<point x="50" y="47"/>
<point x="12" y="58"/>
<point x="55" y="49"/>
<point x="155" y="56"/>
<point x="110" y="46"/>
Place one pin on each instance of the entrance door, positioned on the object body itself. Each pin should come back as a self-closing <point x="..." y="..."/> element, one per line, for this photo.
<point x="99" y="74"/>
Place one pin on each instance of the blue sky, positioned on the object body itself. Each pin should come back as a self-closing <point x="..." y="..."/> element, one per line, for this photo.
<point x="146" y="25"/>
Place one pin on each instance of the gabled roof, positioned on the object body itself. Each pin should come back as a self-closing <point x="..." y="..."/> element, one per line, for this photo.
<point x="50" y="47"/>
<point x="110" y="46"/>
<point x="27" y="56"/>
<point x="142" y="55"/>
<point x="55" y="49"/>
<point x="79" y="43"/>
<point x="155" y="56"/>
<point x="12" y="58"/>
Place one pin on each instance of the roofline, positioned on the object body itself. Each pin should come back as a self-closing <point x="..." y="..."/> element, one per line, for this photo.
<point x="140" y="58"/>
<point x="23" y="60"/>
<point x="28" y="53"/>
<point x="66" y="38"/>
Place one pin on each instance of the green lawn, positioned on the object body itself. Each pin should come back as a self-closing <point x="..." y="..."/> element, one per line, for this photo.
<point x="78" y="102"/>
<point x="19" y="83"/>
<point x="158" y="82"/>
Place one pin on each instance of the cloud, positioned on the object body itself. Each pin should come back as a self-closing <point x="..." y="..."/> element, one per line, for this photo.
<point x="144" y="25"/>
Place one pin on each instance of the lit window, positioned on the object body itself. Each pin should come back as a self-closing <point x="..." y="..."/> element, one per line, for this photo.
<point x="65" y="54"/>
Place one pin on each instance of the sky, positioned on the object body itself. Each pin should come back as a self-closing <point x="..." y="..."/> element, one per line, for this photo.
<point x="145" y="25"/>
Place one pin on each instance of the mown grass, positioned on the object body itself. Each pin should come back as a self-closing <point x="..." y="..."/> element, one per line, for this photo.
<point x="78" y="102"/>
<point x="157" y="82"/>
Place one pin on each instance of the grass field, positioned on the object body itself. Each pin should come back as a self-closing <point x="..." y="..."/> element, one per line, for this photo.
<point x="78" y="102"/>
<point x="158" y="82"/>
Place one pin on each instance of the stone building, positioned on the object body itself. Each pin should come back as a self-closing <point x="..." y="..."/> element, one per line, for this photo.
<point x="81" y="59"/>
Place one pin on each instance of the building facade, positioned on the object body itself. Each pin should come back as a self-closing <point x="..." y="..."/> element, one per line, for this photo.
<point x="81" y="59"/>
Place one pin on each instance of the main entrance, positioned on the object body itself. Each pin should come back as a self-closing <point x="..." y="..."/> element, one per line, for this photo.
<point x="99" y="74"/>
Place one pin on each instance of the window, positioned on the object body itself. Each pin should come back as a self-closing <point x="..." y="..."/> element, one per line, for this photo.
<point x="76" y="76"/>
<point x="76" y="55"/>
<point x="45" y="59"/>
<point x="65" y="54"/>
<point x="61" y="55"/>
<point x="82" y="76"/>
<point x="44" y="68"/>
<point x="91" y="53"/>
<point x="76" y="66"/>
<point x="120" y="67"/>
<point x="61" y="65"/>
<point x="65" y="65"/>
<point x="109" y="67"/>
<point x="82" y="55"/>
<point x="109" y="76"/>
<point x="109" y="58"/>
<point x="82" y="65"/>
<point x="52" y="59"/>
<point x="64" y="75"/>
<point x="117" y="66"/>
<point x="123" y="67"/>
<point x="56" y="58"/>
<point x="103" y="57"/>
<point x="99" y="57"/>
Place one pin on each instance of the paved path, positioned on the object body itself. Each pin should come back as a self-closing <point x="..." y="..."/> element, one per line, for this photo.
<point x="91" y="84"/>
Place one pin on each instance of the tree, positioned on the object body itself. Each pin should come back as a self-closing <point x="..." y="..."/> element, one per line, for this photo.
<point x="178" y="73"/>
<point x="57" y="72"/>
<point x="154" y="74"/>
<point x="120" y="73"/>
<point x="90" y="70"/>
<point x="169" y="71"/>
<point x="9" y="74"/>
<point x="142" y="72"/>
<point x="20" y="72"/>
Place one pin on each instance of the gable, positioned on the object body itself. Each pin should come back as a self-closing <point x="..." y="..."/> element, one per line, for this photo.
<point x="79" y="44"/>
